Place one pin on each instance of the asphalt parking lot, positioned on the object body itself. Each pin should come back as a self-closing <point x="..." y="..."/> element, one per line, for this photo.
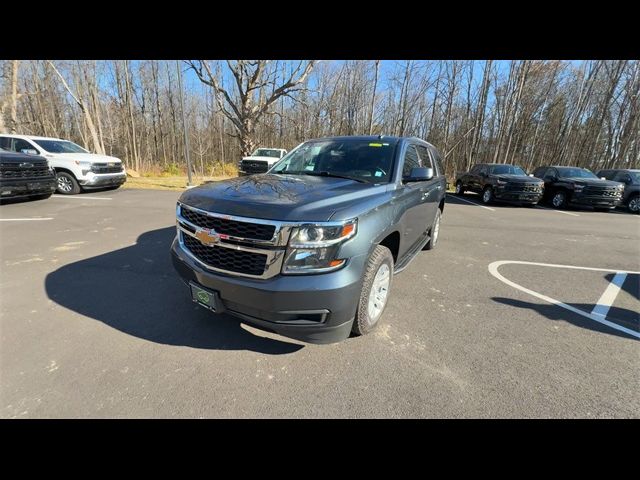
<point x="96" y="324"/>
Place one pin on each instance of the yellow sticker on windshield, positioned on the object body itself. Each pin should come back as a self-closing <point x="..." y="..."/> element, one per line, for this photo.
<point x="375" y="144"/>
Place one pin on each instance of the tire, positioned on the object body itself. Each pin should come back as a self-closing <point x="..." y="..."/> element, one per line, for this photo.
<point x="559" y="199"/>
<point x="634" y="204"/>
<point x="367" y="318"/>
<point x="42" y="196"/>
<point x="433" y="241"/>
<point x="487" y="196"/>
<point x="459" y="188"/>
<point x="67" y="184"/>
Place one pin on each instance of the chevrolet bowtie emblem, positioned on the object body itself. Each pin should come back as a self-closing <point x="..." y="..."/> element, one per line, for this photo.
<point x="207" y="237"/>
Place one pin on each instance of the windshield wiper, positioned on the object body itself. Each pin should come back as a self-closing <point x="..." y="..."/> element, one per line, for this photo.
<point x="324" y="173"/>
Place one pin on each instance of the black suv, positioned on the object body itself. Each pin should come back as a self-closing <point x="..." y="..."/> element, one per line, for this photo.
<point x="501" y="182"/>
<point x="23" y="175"/>
<point x="309" y="249"/>
<point x="631" y="180"/>
<point x="578" y="186"/>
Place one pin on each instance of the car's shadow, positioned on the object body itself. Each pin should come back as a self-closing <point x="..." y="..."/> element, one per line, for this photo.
<point x="136" y="290"/>
<point x="622" y="316"/>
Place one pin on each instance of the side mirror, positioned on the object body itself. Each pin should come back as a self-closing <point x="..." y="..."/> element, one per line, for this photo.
<point x="29" y="151"/>
<point x="419" y="174"/>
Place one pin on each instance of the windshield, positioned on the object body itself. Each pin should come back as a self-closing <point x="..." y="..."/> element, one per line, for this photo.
<point x="565" y="172"/>
<point x="60" y="146"/>
<point x="362" y="160"/>
<point x="266" y="152"/>
<point x="506" y="170"/>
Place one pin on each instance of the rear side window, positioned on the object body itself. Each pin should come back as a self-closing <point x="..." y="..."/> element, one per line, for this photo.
<point x="608" y="174"/>
<point x="476" y="169"/>
<point x="411" y="160"/>
<point x="425" y="157"/>
<point x="5" y="142"/>
<point x="620" y="177"/>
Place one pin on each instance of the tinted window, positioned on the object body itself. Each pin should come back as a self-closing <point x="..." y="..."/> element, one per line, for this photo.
<point x="60" y="146"/>
<point x="539" y="172"/>
<point x="476" y="169"/>
<point x="575" y="172"/>
<point x="5" y="142"/>
<point x="19" y="144"/>
<point x="438" y="161"/>
<point x="608" y="174"/>
<point x="483" y="169"/>
<point x="550" y="173"/>
<point x="620" y="177"/>
<point x="425" y="157"/>
<point x="411" y="160"/>
<point x="506" y="170"/>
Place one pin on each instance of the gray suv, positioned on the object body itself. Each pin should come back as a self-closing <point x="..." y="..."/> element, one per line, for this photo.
<point x="309" y="249"/>
<point x="631" y="180"/>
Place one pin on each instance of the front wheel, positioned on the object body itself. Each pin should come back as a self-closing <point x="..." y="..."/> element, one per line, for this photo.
<point x="67" y="184"/>
<point x="434" y="232"/>
<point x="376" y="286"/>
<point x="634" y="204"/>
<point x="487" y="196"/>
<point x="559" y="199"/>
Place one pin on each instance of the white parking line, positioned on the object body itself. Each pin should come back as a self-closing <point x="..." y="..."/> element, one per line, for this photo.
<point x="559" y="211"/>
<point x="474" y="203"/>
<point x="24" y="219"/>
<point x="80" y="197"/>
<point x="493" y="269"/>
<point x="609" y="295"/>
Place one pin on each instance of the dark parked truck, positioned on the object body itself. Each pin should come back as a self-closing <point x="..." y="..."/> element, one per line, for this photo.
<point x="631" y="180"/>
<point x="308" y="250"/>
<point x="578" y="186"/>
<point x="23" y="175"/>
<point x="500" y="182"/>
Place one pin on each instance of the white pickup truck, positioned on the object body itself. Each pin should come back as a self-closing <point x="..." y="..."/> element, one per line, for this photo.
<point x="76" y="168"/>
<point x="260" y="161"/>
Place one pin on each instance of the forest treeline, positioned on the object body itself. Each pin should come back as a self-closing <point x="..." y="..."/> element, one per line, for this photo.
<point x="526" y="112"/>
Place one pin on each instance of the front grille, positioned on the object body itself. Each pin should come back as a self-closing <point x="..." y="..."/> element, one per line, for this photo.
<point x="254" y="166"/>
<point x="234" y="228"/>
<point x="523" y="187"/>
<point x="601" y="191"/>
<point x="106" y="168"/>
<point x="37" y="171"/>
<point x="238" y="261"/>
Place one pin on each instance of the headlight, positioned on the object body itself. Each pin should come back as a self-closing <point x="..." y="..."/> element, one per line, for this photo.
<point x="502" y="182"/>
<point x="314" y="248"/>
<point x="578" y="188"/>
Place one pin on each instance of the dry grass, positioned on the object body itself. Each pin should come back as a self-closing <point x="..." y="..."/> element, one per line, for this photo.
<point x="167" y="182"/>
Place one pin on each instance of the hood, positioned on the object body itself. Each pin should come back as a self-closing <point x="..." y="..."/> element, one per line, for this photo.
<point x="87" y="157"/>
<point x="590" y="181"/>
<point x="261" y="159"/>
<point x="282" y="197"/>
<point x="18" y="158"/>
<point x="513" y="178"/>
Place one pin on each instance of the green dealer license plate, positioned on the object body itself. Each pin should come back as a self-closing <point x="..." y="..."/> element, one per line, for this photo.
<point x="206" y="298"/>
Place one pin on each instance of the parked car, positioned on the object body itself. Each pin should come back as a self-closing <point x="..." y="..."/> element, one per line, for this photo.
<point x="76" y="168"/>
<point x="631" y="180"/>
<point x="500" y="182"/>
<point x="23" y="175"/>
<point x="260" y="161"/>
<point x="578" y="186"/>
<point x="309" y="249"/>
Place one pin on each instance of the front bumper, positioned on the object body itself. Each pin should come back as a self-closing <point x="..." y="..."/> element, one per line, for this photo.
<point x="312" y="308"/>
<point x="515" y="196"/>
<point x="25" y="187"/>
<point x="104" y="180"/>
<point x="595" y="201"/>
